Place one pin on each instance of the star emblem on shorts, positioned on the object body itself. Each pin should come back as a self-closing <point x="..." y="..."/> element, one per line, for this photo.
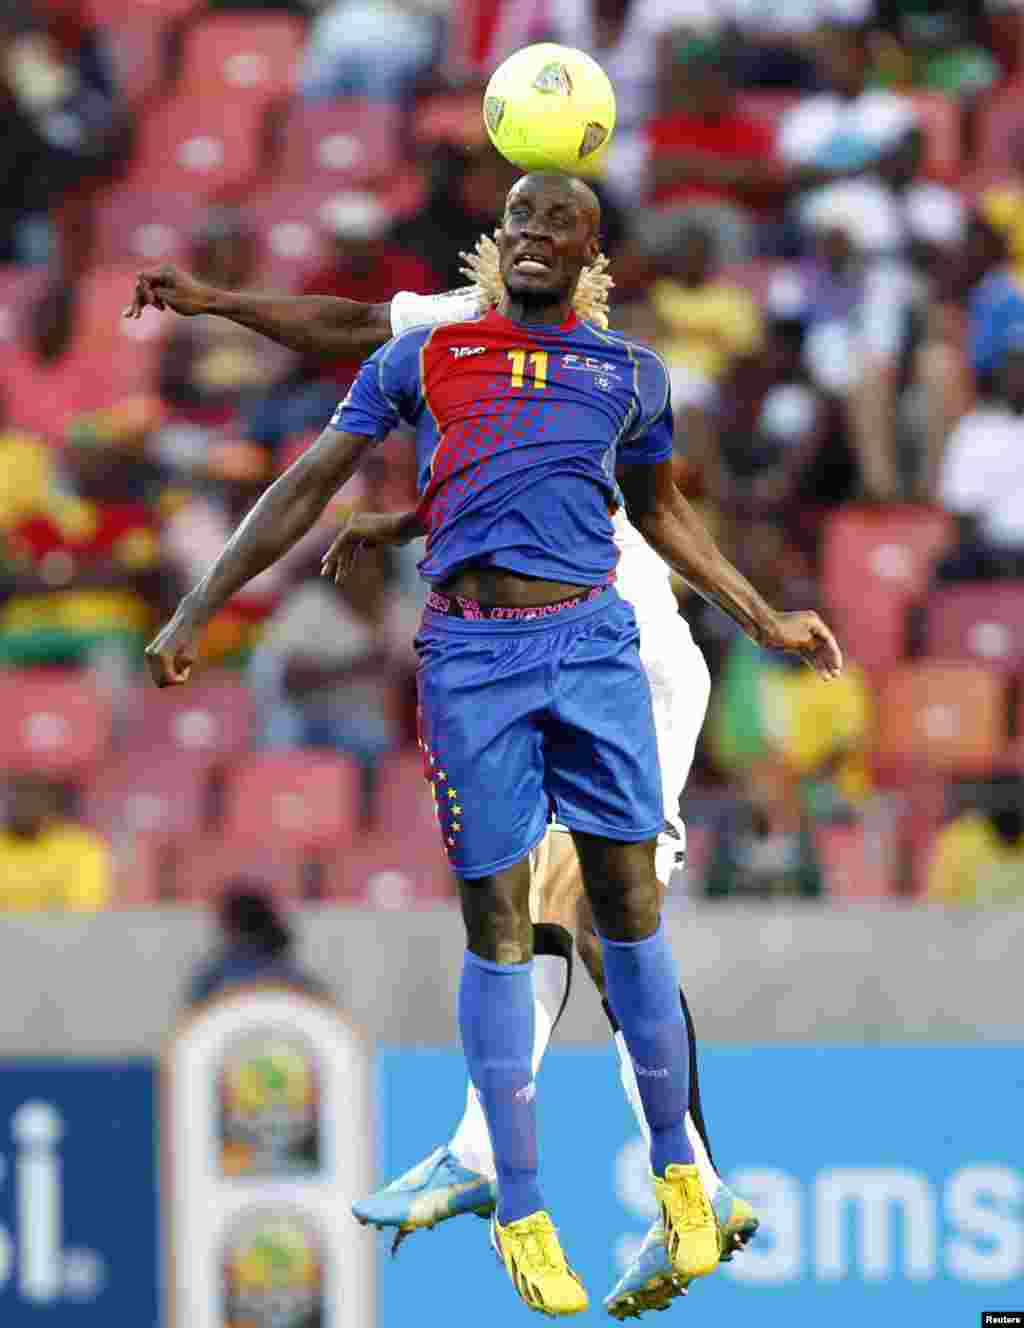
<point x="456" y="810"/>
<point x="441" y="775"/>
<point x="452" y="793"/>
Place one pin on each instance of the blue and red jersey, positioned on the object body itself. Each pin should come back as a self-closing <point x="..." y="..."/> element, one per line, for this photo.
<point x="519" y="428"/>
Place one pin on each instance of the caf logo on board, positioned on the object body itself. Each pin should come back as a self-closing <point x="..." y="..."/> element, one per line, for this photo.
<point x="270" y="1107"/>
<point x="273" y="1272"/>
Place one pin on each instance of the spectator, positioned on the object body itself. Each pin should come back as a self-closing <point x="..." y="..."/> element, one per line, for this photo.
<point x="979" y="857"/>
<point x="326" y="669"/>
<point x="932" y="49"/>
<point x="466" y="189"/>
<point x="707" y="326"/>
<point x="62" y="121"/>
<point x="377" y="49"/>
<point x="365" y="265"/>
<point x="212" y="367"/>
<point x="766" y="706"/>
<point x="845" y="129"/>
<point x="255" y="946"/>
<point x="765" y="849"/>
<point x="89" y="573"/>
<point x="627" y="38"/>
<point x="983" y="479"/>
<point x="47" y="863"/>
<point x="707" y="157"/>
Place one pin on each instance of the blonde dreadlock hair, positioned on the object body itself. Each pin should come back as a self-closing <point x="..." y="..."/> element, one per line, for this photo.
<point x="482" y="268"/>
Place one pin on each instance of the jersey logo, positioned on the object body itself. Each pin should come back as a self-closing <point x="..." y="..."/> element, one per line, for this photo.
<point x="587" y="364"/>
<point x="460" y="352"/>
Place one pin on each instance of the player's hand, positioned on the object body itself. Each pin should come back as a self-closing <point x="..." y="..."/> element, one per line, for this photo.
<point x="805" y="634"/>
<point x="366" y="530"/>
<point x="168" y="287"/>
<point x="171" y="654"/>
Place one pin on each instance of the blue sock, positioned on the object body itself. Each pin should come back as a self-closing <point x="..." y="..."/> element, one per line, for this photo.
<point x="496" y="1023"/>
<point x="643" y="991"/>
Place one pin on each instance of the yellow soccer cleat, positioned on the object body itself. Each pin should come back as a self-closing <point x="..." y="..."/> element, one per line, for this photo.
<point x="530" y="1251"/>
<point x="691" y="1227"/>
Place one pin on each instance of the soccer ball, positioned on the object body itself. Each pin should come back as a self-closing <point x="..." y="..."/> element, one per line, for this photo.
<point x="551" y="108"/>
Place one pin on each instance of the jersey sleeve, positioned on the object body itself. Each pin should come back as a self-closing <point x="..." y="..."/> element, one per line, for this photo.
<point x="386" y="390"/>
<point x="649" y="440"/>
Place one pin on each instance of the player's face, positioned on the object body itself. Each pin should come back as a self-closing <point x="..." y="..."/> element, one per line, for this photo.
<point x="546" y="238"/>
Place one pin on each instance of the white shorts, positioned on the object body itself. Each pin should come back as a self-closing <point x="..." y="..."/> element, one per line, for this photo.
<point x="680" y="690"/>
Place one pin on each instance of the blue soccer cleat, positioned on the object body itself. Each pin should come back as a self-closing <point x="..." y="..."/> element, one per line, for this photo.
<point x="651" y="1283"/>
<point x="434" y="1190"/>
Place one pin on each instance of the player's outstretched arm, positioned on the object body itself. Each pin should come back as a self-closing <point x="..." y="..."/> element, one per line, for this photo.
<point x="364" y="530"/>
<point x="285" y="512"/>
<point x="671" y="526"/>
<point x="311" y="324"/>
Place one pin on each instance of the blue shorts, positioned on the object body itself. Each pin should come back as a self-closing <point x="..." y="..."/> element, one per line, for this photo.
<point x="522" y="721"/>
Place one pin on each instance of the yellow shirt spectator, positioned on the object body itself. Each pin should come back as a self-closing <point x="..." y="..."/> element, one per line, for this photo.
<point x="707" y="327"/>
<point x="45" y="863"/>
<point x="975" y="864"/>
<point x="821" y="727"/>
<point x="26" y="477"/>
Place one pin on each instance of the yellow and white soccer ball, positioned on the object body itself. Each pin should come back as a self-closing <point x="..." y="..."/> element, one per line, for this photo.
<point x="551" y="108"/>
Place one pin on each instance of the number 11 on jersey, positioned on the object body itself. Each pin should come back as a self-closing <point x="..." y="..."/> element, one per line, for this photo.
<point x="538" y="360"/>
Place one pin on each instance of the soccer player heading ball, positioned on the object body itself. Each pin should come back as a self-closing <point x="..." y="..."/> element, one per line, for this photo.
<point x="533" y="698"/>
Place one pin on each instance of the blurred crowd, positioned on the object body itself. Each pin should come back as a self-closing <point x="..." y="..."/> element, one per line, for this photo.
<point x="815" y="212"/>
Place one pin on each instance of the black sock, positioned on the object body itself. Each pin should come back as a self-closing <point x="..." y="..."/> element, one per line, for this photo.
<point x="696" y="1115"/>
<point x="611" y="1015"/>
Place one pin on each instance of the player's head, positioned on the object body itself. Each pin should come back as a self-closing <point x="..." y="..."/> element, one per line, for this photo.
<point x="549" y="233"/>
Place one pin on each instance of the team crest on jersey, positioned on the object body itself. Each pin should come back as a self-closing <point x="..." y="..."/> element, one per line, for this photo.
<point x="461" y="352"/>
<point x="604" y="371"/>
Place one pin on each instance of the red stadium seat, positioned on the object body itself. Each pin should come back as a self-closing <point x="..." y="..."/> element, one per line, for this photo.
<point x="978" y="622"/>
<point x="754" y="277"/>
<point x="1000" y="121"/>
<point x="404" y="798"/>
<point x="450" y="118"/>
<point x="854" y="864"/>
<point x="144" y="871"/>
<point x="203" y="868"/>
<point x="245" y="57"/>
<point x="305" y="797"/>
<point x="148" y="792"/>
<point x="103" y="295"/>
<point x="941" y="718"/>
<point x="341" y="145"/>
<point x="211" y="718"/>
<point x="291" y="243"/>
<point x="386" y="870"/>
<point x="208" y="146"/>
<point x="876" y="563"/>
<point x="137" y="48"/>
<point x="131" y="227"/>
<point x="943" y="138"/>
<point x="20" y="290"/>
<point x="54" y="720"/>
<point x="110" y="13"/>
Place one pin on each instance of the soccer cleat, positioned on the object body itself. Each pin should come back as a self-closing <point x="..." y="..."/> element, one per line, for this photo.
<point x="434" y="1190"/>
<point x="533" y="1258"/>
<point x="737" y="1222"/>
<point x="691" y="1225"/>
<point x="649" y="1283"/>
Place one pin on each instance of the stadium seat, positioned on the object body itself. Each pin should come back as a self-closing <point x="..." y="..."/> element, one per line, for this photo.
<point x="404" y="798"/>
<point x="941" y="125"/>
<point x="137" y="49"/>
<point x="20" y="289"/>
<point x="146" y="227"/>
<point x="941" y="718"/>
<point x="103" y="295"/>
<point x="754" y="277"/>
<point x="291" y="243"/>
<point x="386" y="870"/>
<point x="55" y="721"/>
<point x="209" y="145"/>
<point x="876" y="563"/>
<point x="110" y="13"/>
<point x="202" y="868"/>
<point x="144" y="871"/>
<point x="1000" y="121"/>
<point x="211" y="718"/>
<point x="341" y="145"/>
<point x="979" y="622"/>
<point x="853" y="863"/>
<point x="301" y="796"/>
<point x="245" y="57"/>
<point x="147" y="791"/>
